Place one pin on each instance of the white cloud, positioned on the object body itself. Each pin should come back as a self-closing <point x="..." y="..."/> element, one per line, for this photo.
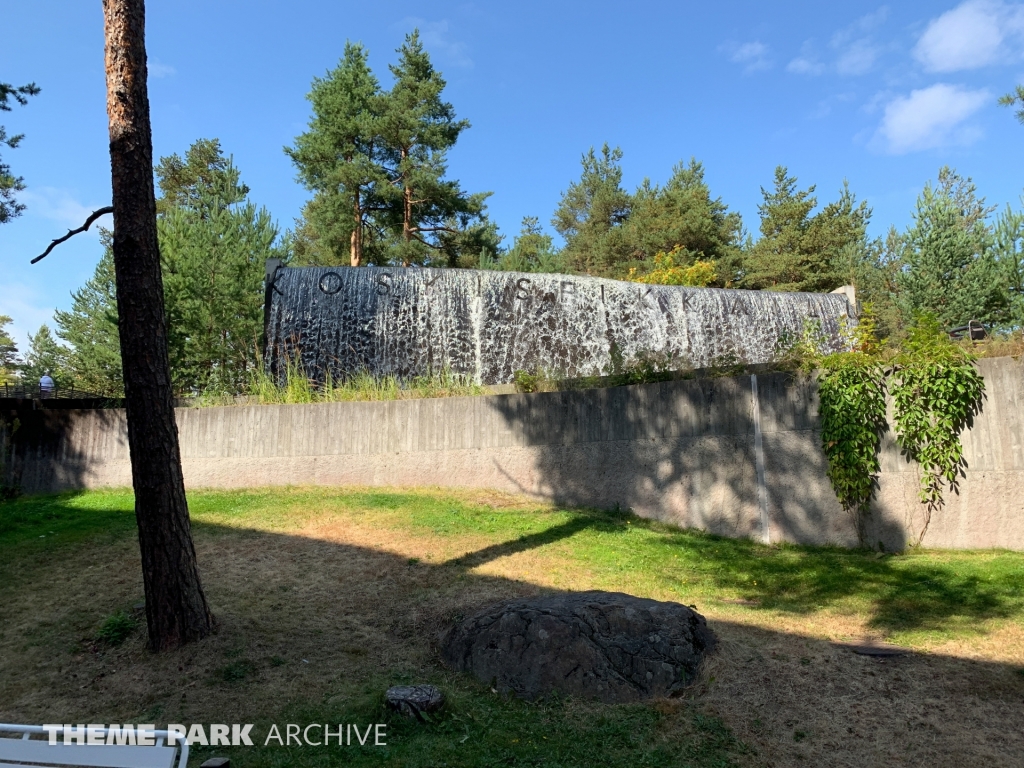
<point x="858" y="58"/>
<point x="23" y="304"/>
<point x="437" y="40"/>
<point x="803" y="65"/>
<point x="753" y="55"/>
<point x="856" y="50"/>
<point x="974" y="34"/>
<point x="930" y="117"/>
<point x="807" y="62"/>
<point x="159" y="69"/>
<point x="59" y="205"/>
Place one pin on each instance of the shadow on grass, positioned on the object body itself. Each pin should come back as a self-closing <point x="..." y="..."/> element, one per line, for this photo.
<point x="529" y="541"/>
<point x="313" y="631"/>
<point x="923" y="590"/>
<point x="899" y="592"/>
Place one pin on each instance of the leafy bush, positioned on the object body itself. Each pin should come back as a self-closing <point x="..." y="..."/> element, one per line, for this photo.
<point x="936" y="392"/>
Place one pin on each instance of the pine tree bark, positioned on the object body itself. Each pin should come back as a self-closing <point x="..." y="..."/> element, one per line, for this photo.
<point x="356" y="252"/>
<point x="176" y="608"/>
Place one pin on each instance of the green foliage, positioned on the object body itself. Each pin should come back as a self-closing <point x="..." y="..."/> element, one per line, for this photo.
<point x="297" y="388"/>
<point x="851" y="391"/>
<point x="377" y="163"/>
<point x="532" y="251"/>
<point x="936" y="392"/>
<point x="187" y="182"/>
<point x="213" y="246"/>
<point x="949" y="268"/>
<point x="591" y="213"/>
<point x="341" y="159"/>
<point x="612" y="233"/>
<point x="9" y="183"/>
<point x="799" y="251"/>
<point x="1015" y="99"/>
<point x="90" y="329"/>
<point x="1008" y="250"/>
<point x="46" y="356"/>
<point x="683" y="219"/>
<point x="527" y="382"/>
<point x="8" y="352"/>
<point x="668" y="271"/>
<point x="117" y="628"/>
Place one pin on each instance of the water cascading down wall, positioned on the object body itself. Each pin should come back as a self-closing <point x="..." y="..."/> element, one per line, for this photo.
<point x="487" y="325"/>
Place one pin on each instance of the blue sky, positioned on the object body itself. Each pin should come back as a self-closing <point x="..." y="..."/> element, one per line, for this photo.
<point x="879" y="95"/>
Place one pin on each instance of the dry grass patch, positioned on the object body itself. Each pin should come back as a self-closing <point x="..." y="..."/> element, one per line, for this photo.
<point x="326" y="597"/>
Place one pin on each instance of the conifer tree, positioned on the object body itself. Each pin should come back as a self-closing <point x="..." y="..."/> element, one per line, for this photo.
<point x="8" y="352"/>
<point x="682" y="218"/>
<point x="213" y="250"/>
<point x="45" y="356"/>
<point x="1008" y="251"/>
<point x="340" y="158"/>
<point x="213" y="246"/>
<point x="949" y="266"/>
<point x="799" y="251"/>
<point x="9" y="183"/>
<point x="90" y="330"/>
<point x="591" y="213"/>
<point x="531" y="251"/>
<point x="431" y="219"/>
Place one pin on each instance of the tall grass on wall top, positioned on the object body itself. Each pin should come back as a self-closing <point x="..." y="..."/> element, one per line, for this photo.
<point x="296" y="387"/>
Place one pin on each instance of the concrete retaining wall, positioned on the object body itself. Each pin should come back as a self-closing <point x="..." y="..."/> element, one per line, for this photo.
<point x="683" y="452"/>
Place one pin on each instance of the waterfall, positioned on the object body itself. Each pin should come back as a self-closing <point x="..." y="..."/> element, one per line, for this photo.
<point x="487" y="324"/>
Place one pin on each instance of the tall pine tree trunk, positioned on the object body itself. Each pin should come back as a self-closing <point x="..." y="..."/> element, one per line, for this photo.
<point x="176" y="609"/>
<point x="356" y="254"/>
<point x="406" y="213"/>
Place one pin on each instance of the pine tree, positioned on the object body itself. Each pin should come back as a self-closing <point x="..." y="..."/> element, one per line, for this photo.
<point x="213" y="252"/>
<point x="8" y="353"/>
<point x="950" y="270"/>
<point x="799" y="251"/>
<point x="184" y="182"/>
<point x="430" y="219"/>
<point x="683" y="219"/>
<point x="176" y="607"/>
<point x="213" y="246"/>
<point x="1008" y="251"/>
<point x="340" y="157"/>
<point x="532" y="251"/>
<point x="90" y="330"/>
<point x="9" y="183"/>
<point x="591" y="213"/>
<point x="45" y="356"/>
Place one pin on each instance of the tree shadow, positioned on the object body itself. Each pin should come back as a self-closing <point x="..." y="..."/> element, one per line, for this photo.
<point x="308" y="625"/>
<point x="684" y="452"/>
<point x="528" y="541"/>
<point x="42" y="444"/>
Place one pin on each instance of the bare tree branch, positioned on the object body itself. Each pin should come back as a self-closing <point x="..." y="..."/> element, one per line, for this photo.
<point x="72" y="232"/>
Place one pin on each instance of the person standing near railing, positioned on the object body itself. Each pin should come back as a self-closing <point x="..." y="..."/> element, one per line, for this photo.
<point x="46" y="385"/>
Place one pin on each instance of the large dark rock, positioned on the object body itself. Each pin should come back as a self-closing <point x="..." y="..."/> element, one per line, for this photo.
<point x="598" y="645"/>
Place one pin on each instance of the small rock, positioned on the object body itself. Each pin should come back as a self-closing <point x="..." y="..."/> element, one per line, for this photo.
<point x="216" y="762"/>
<point x="415" y="700"/>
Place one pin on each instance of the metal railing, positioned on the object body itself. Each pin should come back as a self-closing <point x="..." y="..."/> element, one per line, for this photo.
<point x="20" y="391"/>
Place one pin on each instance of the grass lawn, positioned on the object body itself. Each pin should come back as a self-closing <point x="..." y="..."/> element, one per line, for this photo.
<point x="325" y="597"/>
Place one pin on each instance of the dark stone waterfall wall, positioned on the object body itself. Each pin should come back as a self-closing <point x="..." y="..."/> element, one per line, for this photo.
<point x="488" y="324"/>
